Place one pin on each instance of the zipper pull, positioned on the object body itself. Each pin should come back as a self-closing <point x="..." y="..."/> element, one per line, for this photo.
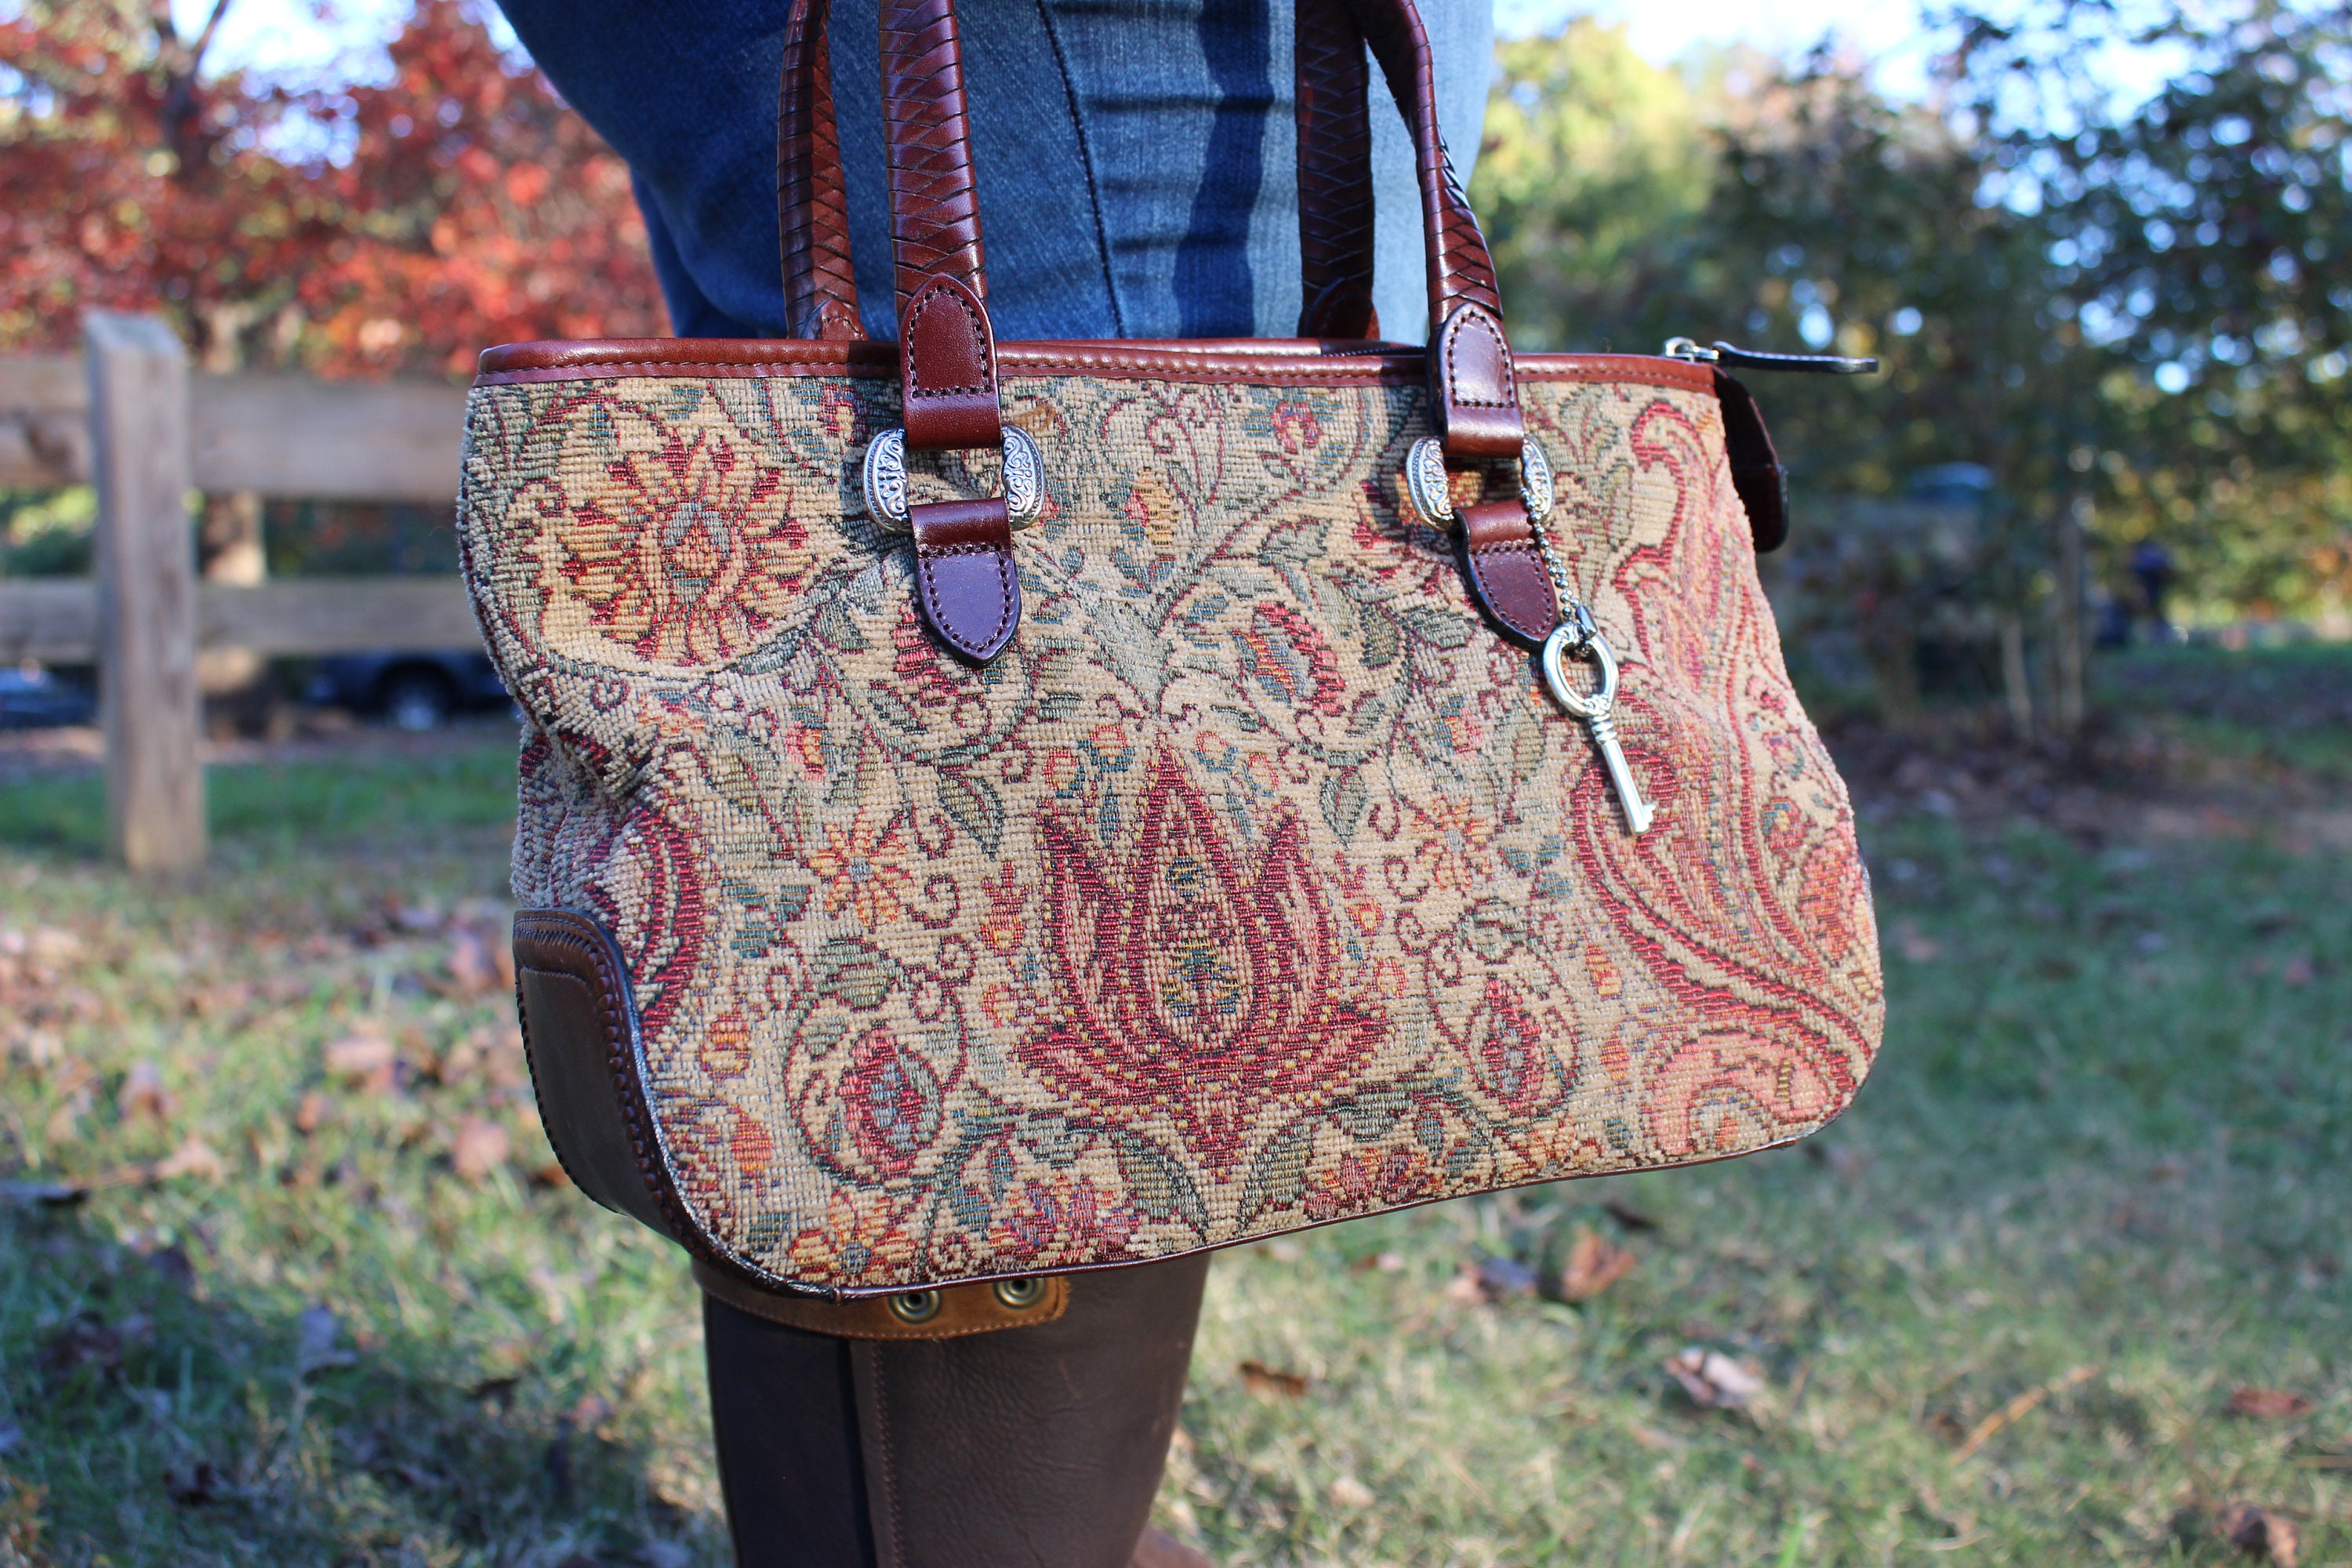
<point x="1736" y="357"/>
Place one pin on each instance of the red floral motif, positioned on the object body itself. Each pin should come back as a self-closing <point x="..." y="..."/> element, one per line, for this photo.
<point x="1291" y="659"/>
<point x="1361" y="1183"/>
<point x="1192" y="988"/>
<point x="686" y="556"/>
<point x="1734" y="1089"/>
<point x="893" y="1102"/>
<point x="1508" y="1053"/>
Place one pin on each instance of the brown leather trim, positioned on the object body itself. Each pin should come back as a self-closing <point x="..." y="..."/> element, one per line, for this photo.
<point x="1755" y="471"/>
<point x="1335" y="173"/>
<point x="947" y="370"/>
<point x="962" y="1310"/>
<point x="580" y="1037"/>
<point x="1251" y="361"/>
<point x="812" y="206"/>
<point x="965" y="581"/>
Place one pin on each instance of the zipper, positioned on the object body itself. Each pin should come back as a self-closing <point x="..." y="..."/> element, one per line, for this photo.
<point x="1733" y="356"/>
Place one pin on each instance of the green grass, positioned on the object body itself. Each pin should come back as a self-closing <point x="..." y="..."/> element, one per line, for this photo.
<point x="2110" y="1129"/>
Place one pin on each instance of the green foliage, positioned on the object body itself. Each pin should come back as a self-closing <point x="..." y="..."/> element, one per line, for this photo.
<point x="2141" y="306"/>
<point x="47" y="533"/>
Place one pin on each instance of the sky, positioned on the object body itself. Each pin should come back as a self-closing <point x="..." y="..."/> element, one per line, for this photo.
<point x="287" y="37"/>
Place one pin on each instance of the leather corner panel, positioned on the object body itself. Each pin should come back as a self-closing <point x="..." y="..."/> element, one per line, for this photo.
<point x="1755" y="470"/>
<point x="580" y="1035"/>
<point x="948" y="1312"/>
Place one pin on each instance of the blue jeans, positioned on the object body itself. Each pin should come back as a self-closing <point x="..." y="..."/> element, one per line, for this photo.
<point x="1135" y="157"/>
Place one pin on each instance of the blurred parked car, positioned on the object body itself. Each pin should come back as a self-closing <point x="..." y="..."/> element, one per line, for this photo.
<point x="32" y="698"/>
<point x="410" y="690"/>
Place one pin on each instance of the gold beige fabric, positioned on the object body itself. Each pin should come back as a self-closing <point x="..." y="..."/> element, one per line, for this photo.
<point x="1259" y="885"/>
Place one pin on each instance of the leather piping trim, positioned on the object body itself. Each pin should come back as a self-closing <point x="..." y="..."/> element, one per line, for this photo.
<point x="1282" y="362"/>
<point x="965" y="1310"/>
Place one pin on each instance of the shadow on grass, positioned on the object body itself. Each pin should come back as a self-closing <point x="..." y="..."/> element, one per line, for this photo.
<point x="175" y="1421"/>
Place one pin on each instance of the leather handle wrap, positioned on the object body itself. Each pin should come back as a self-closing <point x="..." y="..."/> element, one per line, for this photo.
<point x="812" y="204"/>
<point x="947" y="351"/>
<point x="1335" y="173"/>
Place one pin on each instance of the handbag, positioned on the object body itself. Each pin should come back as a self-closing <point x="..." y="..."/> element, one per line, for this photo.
<point x="1294" y="781"/>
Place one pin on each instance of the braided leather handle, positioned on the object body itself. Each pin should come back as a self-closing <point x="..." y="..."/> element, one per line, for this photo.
<point x="1335" y="180"/>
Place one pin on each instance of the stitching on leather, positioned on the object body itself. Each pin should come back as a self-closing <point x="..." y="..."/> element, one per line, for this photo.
<point x="1510" y="399"/>
<point x="925" y="556"/>
<point x="915" y="387"/>
<point x="1479" y="553"/>
<point x="889" y="1458"/>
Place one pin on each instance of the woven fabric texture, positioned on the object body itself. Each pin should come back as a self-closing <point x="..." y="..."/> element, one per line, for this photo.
<point x="1259" y="885"/>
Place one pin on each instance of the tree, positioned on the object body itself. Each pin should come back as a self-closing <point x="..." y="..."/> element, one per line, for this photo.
<point x="404" y="226"/>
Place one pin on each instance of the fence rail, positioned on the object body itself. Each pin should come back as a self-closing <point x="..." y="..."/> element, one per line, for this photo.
<point x="127" y="416"/>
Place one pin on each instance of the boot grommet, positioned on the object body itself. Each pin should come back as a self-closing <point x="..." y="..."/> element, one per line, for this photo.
<point x="915" y="1306"/>
<point x="1020" y="1295"/>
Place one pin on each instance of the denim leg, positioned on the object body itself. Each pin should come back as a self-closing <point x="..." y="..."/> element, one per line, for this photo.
<point x="1134" y="157"/>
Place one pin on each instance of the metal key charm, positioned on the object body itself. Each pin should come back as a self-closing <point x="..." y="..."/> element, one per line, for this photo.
<point x="1570" y="639"/>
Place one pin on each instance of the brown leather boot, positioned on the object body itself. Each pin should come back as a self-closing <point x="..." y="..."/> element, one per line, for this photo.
<point x="1019" y="1425"/>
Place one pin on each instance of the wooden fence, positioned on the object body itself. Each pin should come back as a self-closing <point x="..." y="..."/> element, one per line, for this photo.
<point x="128" y="416"/>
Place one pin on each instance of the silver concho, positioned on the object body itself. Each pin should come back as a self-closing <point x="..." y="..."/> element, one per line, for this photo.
<point x="1425" y="485"/>
<point x="886" y="482"/>
<point x="884" y="475"/>
<point x="1535" y="479"/>
<point x="1024" y="477"/>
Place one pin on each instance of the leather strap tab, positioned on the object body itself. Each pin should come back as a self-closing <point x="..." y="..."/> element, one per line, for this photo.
<point x="947" y="367"/>
<point x="1471" y="389"/>
<point x="1755" y="471"/>
<point x="965" y="579"/>
<point x="812" y="209"/>
<point x="1507" y="572"/>
<point x="962" y="1310"/>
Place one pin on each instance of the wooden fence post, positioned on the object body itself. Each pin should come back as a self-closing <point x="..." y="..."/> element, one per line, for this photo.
<point x="146" y="590"/>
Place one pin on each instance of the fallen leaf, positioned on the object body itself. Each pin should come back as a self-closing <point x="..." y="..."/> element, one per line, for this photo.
<point x="362" y="1061"/>
<point x="193" y="1157"/>
<point x="2260" y="1533"/>
<point x="49" y="1194"/>
<point x="472" y="970"/>
<point x="142" y="1096"/>
<point x="1914" y="944"/>
<point x="477" y="1147"/>
<point x="313" y="1112"/>
<point x="1593" y="1265"/>
<point x="1503" y="1277"/>
<point x="1650" y="1437"/>
<point x="1629" y="1217"/>
<point x="1350" y="1492"/>
<point x="192" y="1485"/>
<point x="593" y="1411"/>
<point x="1381" y="1262"/>
<point x="2297" y="971"/>
<point x="1713" y="1380"/>
<point x="2269" y="1404"/>
<point x="1261" y="1379"/>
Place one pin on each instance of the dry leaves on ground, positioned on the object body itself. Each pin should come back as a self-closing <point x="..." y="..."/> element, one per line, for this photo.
<point x="1713" y="1380"/>
<point x="479" y="1146"/>
<point x="1350" y="1492"/>
<point x="142" y="1096"/>
<point x="2269" y="1404"/>
<point x="1984" y="1429"/>
<point x="1593" y="1265"/>
<point x="1490" y="1280"/>
<point x="193" y="1157"/>
<point x="362" y="1061"/>
<point x="2262" y="1533"/>
<point x="1261" y="1379"/>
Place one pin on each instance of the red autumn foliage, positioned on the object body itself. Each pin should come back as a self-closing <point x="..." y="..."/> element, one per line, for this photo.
<point x="363" y="230"/>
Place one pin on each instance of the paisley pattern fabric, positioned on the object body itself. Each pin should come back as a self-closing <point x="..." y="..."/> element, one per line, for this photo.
<point x="1259" y="885"/>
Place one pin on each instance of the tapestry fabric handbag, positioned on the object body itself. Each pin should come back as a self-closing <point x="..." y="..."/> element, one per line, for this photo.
<point x="1274" y="781"/>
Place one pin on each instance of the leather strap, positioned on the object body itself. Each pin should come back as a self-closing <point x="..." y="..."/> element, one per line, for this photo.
<point x="947" y="352"/>
<point x="1473" y="394"/>
<point x="1335" y="173"/>
<point x="964" y="577"/>
<point x="812" y="206"/>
